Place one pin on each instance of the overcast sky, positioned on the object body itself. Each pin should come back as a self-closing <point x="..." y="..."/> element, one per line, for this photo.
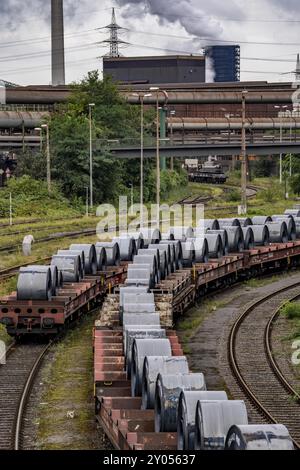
<point x="154" y="27"/>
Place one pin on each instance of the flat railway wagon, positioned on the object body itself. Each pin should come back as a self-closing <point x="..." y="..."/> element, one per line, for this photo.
<point x="49" y="317"/>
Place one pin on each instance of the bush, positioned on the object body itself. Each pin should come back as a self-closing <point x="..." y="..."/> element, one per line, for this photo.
<point x="30" y="197"/>
<point x="234" y="195"/>
<point x="291" y="310"/>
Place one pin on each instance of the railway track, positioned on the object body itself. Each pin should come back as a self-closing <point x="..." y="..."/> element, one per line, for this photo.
<point x="16" y="380"/>
<point x="193" y="201"/>
<point x="11" y="272"/>
<point x="253" y="363"/>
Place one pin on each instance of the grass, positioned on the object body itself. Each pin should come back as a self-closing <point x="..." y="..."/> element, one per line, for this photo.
<point x="291" y="310"/>
<point x="68" y="386"/>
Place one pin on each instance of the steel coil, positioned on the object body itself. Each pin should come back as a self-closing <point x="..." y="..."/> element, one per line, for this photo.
<point x="141" y="333"/>
<point x="179" y="233"/>
<point x="176" y="254"/>
<point x="138" y="319"/>
<point x="161" y="257"/>
<point x="140" y="349"/>
<point x="261" y="219"/>
<point x="290" y="223"/>
<point x="140" y="275"/>
<point x="245" y="221"/>
<point x="188" y="254"/>
<point x="294" y="212"/>
<point x="127" y="247"/>
<point x="249" y="241"/>
<point x="79" y="253"/>
<point x="297" y="223"/>
<point x="138" y="303"/>
<point x="235" y="238"/>
<point x="135" y="328"/>
<point x="137" y="236"/>
<point x="131" y="290"/>
<point x="259" y="437"/>
<point x="167" y="393"/>
<point x="215" y="245"/>
<point x="90" y="254"/>
<point x="201" y="249"/>
<point x="113" y="257"/>
<point x="261" y="235"/>
<point x="56" y="277"/>
<point x="150" y="260"/>
<point x="151" y="236"/>
<point x="186" y="426"/>
<point x="154" y="365"/>
<point x="211" y="224"/>
<point x="223" y="223"/>
<point x="69" y="266"/>
<point x="224" y="236"/>
<point x="34" y="283"/>
<point x="213" y="420"/>
<point x="278" y="232"/>
<point x="101" y="258"/>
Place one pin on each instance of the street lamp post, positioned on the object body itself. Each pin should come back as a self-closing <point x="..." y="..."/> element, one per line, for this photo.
<point x="157" y="90"/>
<point x="172" y="114"/>
<point x="280" y="107"/>
<point x="91" y="105"/>
<point x="244" y="154"/>
<point x="39" y="129"/>
<point x="142" y="97"/>
<point x="45" y="126"/>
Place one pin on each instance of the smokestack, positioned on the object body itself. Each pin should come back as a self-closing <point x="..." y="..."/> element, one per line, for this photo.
<point x="58" y="47"/>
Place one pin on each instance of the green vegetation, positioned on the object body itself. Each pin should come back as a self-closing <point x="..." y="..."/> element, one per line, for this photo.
<point x="291" y="310"/>
<point x="68" y="387"/>
<point x="30" y="196"/>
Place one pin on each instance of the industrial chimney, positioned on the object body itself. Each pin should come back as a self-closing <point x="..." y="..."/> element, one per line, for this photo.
<point x="58" y="48"/>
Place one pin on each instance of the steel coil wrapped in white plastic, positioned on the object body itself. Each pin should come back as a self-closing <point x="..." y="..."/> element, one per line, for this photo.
<point x="112" y="252"/>
<point x="140" y="275"/>
<point x="79" y="253"/>
<point x="167" y="393"/>
<point x="224" y="236"/>
<point x="188" y="254"/>
<point x="151" y="236"/>
<point x="186" y="427"/>
<point x="69" y="266"/>
<point x="154" y="365"/>
<point x="213" y="420"/>
<point x="249" y="241"/>
<point x="215" y="245"/>
<point x="223" y="223"/>
<point x="132" y="335"/>
<point x="34" y="283"/>
<point x="140" y="349"/>
<point x="261" y="219"/>
<point x="131" y="290"/>
<point x="151" y="252"/>
<point x="138" y="319"/>
<point x="278" y="232"/>
<point x="259" y="437"/>
<point x="90" y="254"/>
<point x="201" y="249"/>
<point x="261" y="235"/>
<point x="235" y="238"/>
<point x="127" y="247"/>
<point x="290" y="223"/>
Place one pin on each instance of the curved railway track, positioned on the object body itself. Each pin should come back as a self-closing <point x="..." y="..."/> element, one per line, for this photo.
<point x="16" y="380"/>
<point x="253" y="364"/>
<point x="192" y="201"/>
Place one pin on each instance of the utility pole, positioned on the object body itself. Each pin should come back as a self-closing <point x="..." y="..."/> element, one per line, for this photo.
<point x="281" y="108"/>
<point x="244" y="154"/>
<point x="45" y="126"/>
<point x="91" y="105"/>
<point x="172" y="114"/>
<point x="141" y="98"/>
<point x="114" y="41"/>
<point x="157" y="90"/>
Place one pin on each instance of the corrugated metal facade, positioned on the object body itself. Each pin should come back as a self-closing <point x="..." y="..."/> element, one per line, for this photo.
<point x="154" y="70"/>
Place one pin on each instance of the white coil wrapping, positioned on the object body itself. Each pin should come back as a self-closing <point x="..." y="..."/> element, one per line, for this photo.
<point x="259" y="437"/>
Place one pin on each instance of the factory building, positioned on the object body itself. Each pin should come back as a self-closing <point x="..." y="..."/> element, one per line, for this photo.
<point x="156" y="69"/>
<point x="225" y="62"/>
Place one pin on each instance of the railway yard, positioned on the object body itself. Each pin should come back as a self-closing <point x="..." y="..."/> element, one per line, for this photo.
<point x="226" y="384"/>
